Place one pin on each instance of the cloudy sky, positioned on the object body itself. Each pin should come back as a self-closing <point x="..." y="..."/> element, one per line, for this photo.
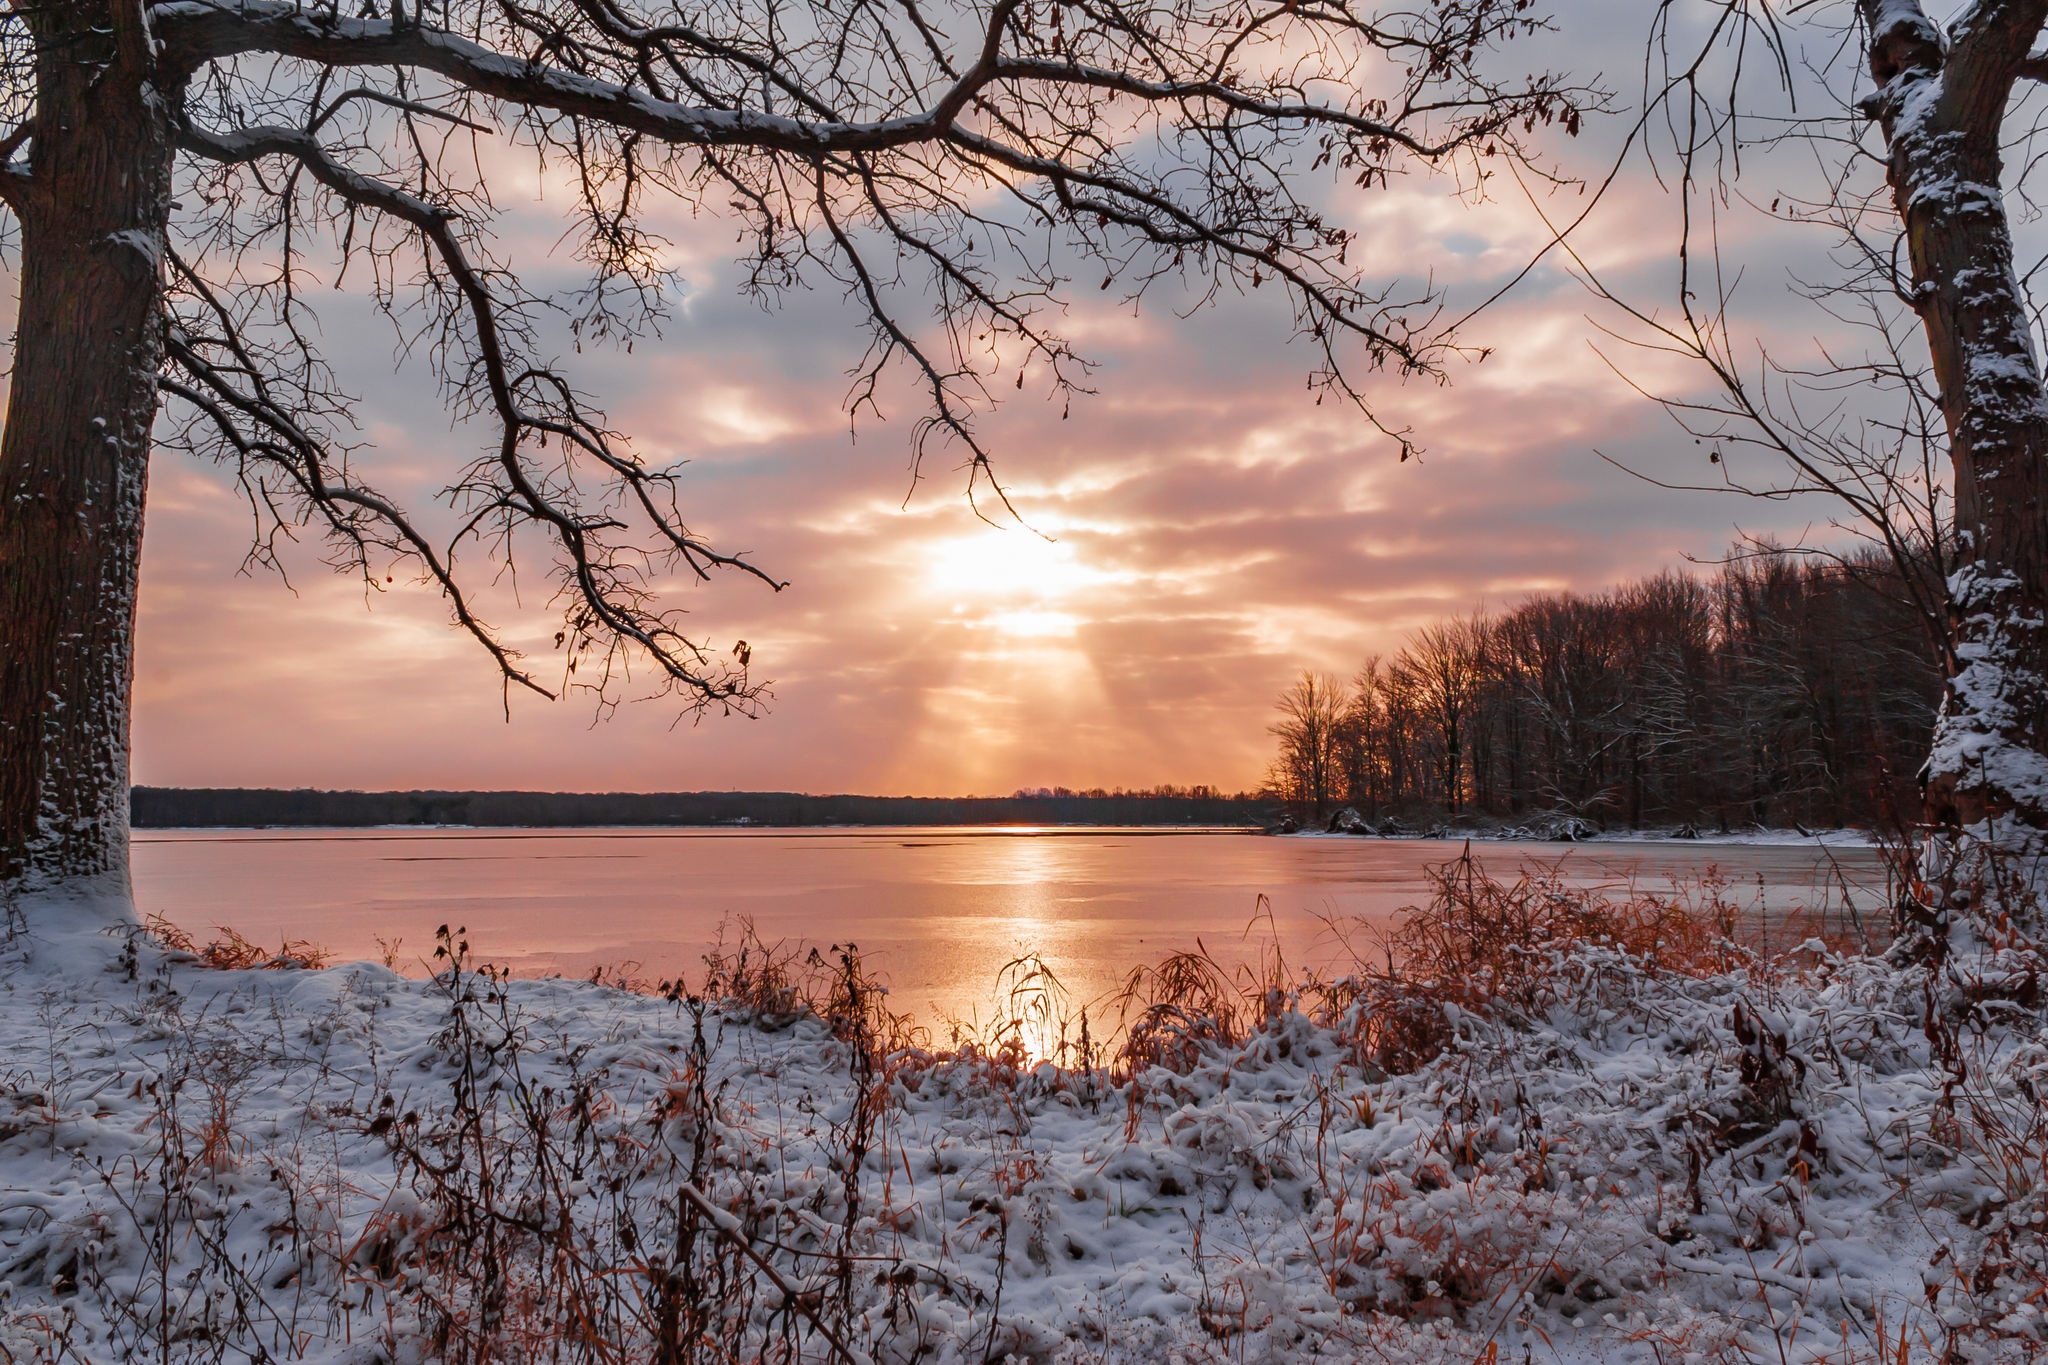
<point x="1203" y="530"/>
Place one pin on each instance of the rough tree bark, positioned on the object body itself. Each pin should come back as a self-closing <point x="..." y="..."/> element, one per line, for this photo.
<point x="1941" y="106"/>
<point x="75" y="455"/>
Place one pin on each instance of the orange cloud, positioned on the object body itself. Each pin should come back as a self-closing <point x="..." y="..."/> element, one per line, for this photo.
<point x="1207" y="530"/>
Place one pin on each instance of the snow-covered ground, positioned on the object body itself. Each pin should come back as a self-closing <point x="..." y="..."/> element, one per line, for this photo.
<point x="1611" y="1163"/>
<point x="1757" y="837"/>
<point x="1766" y="838"/>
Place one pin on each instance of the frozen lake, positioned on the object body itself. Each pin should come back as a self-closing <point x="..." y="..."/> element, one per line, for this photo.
<point x="937" y="911"/>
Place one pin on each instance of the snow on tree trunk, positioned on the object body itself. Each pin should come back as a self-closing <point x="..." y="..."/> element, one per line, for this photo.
<point x="1941" y="107"/>
<point x="75" y="455"/>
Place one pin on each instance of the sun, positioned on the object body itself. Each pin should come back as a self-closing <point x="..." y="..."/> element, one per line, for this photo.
<point x="1006" y="567"/>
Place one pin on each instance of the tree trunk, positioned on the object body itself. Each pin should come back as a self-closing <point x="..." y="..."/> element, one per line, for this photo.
<point x="1987" y="778"/>
<point x="74" y="458"/>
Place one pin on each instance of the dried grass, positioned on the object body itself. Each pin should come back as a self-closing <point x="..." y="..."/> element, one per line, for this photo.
<point x="546" y="1223"/>
<point x="229" y="951"/>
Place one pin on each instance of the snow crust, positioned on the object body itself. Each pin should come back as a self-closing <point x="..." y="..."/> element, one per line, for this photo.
<point x="1610" y="1176"/>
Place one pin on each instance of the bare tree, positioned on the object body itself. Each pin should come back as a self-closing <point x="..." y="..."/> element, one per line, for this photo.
<point x="1443" y="666"/>
<point x="1367" y="757"/>
<point x="1555" y="658"/>
<point x="1311" y="734"/>
<point x="176" y="169"/>
<point x="1909" y="123"/>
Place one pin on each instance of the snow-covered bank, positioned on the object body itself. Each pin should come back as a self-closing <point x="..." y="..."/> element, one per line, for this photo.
<point x="1754" y="838"/>
<point x="1599" y="1137"/>
<point x="1761" y="838"/>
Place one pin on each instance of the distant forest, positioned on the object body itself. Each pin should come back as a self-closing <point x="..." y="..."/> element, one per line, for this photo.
<point x="235" y="807"/>
<point x="1780" y="690"/>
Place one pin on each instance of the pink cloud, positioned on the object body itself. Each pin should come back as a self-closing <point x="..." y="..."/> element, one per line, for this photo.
<point x="1213" y="530"/>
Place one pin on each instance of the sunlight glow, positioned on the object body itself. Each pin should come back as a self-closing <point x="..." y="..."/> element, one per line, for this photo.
<point x="1006" y="565"/>
<point x="1035" y="625"/>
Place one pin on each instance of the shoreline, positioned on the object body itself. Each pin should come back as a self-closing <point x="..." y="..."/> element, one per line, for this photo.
<point x="1765" y="838"/>
<point x="1759" y="838"/>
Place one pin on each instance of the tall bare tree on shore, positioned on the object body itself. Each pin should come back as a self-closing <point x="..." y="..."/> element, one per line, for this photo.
<point x="1942" y="108"/>
<point x="177" y="167"/>
<point x="1441" y="668"/>
<point x="1910" y="120"/>
<point x="1309" y="769"/>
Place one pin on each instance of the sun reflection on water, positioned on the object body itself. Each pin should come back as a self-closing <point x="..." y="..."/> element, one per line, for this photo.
<point x="1035" y="1011"/>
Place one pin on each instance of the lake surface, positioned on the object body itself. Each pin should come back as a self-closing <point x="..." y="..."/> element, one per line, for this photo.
<point x="936" y="911"/>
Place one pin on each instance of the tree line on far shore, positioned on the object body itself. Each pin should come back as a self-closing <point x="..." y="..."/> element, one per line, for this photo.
<point x="243" y="807"/>
<point x="1781" y="689"/>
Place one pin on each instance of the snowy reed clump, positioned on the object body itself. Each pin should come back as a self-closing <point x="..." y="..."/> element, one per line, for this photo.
<point x="1549" y="1123"/>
